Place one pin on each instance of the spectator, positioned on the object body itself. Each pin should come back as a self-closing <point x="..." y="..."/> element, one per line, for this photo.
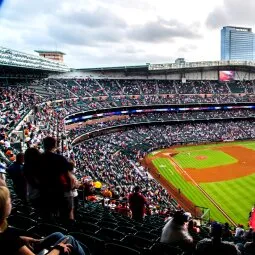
<point x="11" y="243"/>
<point x="32" y="159"/>
<point x="176" y="232"/>
<point x="16" y="173"/>
<point x="2" y="175"/>
<point x="249" y="247"/>
<point x="239" y="233"/>
<point x="54" y="180"/>
<point x="137" y="204"/>
<point x="226" y="233"/>
<point x="122" y="209"/>
<point x="72" y="195"/>
<point x="215" y="245"/>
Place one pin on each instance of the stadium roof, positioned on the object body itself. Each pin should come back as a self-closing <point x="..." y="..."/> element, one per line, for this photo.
<point x="116" y="68"/>
<point x="9" y="57"/>
<point x="50" y="51"/>
<point x="178" y="67"/>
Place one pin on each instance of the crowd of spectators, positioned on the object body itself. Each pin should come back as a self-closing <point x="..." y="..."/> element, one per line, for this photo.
<point x="112" y="159"/>
<point x="163" y="116"/>
<point x="148" y="91"/>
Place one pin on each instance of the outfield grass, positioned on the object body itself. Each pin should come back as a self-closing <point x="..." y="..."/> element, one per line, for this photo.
<point x="168" y="171"/>
<point x="236" y="197"/>
<point x="213" y="158"/>
<point x="247" y="144"/>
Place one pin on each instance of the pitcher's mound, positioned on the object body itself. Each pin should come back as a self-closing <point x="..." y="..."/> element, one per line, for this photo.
<point x="201" y="157"/>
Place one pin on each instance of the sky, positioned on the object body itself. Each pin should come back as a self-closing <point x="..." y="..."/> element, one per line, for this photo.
<point x="97" y="33"/>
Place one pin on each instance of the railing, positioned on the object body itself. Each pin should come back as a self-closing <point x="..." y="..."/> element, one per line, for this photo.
<point x="167" y="66"/>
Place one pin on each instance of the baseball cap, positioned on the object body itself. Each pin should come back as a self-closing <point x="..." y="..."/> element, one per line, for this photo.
<point x="187" y="216"/>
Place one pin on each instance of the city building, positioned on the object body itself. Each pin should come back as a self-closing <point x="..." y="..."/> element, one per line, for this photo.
<point x="237" y="43"/>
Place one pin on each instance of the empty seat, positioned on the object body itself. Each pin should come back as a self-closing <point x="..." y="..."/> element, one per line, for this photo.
<point x="44" y="229"/>
<point x="21" y="222"/>
<point x="137" y="242"/>
<point x="141" y="228"/>
<point x="126" y="230"/>
<point x="156" y="232"/>
<point x="95" y="244"/>
<point x="87" y="227"/>
<point x="117" y="249"/>
<point x="109" y="234"/>
<point x="147" y="235"/>
<point x="125" y="224"/>
<point x="164" y="249"/>
<point x="105" y="224"/>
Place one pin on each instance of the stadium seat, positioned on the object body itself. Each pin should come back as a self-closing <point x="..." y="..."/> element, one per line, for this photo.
<point x="95" y="244"/>
<point x="137" y="242"/>
<point x="44" y="229"/>
<point x="108" y="234"/>
<point x="88" y="227"/>
<point x="164" y="249"/>
<point x="126" y="230"/>
<point x="21" y="222"/>
<point x="116" y="249"/>
<point x="105" y="224"/>
<point x="146" y="235"/>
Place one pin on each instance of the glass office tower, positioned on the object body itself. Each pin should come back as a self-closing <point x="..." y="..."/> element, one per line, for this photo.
<point x="237" y="43"/>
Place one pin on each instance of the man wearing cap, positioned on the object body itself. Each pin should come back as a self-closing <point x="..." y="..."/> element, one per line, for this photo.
<point x="215" y="245"/>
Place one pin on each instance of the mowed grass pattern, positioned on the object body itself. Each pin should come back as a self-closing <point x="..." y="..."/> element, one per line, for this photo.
<point x="189" y="190"/>
<point x="213" y="158"/>
<point x="235" y="197"/>
<point x="247" y="144"/>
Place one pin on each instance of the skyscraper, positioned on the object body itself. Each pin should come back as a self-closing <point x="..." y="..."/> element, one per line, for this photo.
<point x="237" y="43"/>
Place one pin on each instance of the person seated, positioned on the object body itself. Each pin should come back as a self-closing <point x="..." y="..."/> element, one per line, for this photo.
<point x="176" y="232"/>
<point x="16" y="173"/>
<point x="226" y="233"/>
<point x="122" y="209"/>
<point x="215" y="245"/>
<point x="249" y="247"/>
<point x="2" y="174"/>
<point x="14" y="244"/>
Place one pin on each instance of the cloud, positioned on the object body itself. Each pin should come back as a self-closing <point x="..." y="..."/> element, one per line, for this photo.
<point x="100" y="17"/>
<point x="161" y="29"/>
<point x="186" y="48"/>
<point x="98" y="32"/>
<point x="232" y="13"/>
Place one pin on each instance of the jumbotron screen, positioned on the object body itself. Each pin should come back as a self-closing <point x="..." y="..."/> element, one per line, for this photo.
<point x="227" y="75"/>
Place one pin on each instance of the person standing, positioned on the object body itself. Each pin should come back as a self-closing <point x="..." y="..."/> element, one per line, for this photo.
<point x="54" y="181"/>
<point x="137" y="204"/>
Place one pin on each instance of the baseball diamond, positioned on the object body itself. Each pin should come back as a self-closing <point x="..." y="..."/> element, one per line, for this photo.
<point x="218" y="176"/>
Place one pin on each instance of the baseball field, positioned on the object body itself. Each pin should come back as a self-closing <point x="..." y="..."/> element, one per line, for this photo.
<point x="220" y="177"/>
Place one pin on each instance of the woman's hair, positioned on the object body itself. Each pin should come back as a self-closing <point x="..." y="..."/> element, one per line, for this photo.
<point x="4" y="196"/>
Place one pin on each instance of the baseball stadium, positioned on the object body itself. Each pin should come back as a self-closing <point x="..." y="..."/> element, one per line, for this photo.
<point x="182" y="132"/>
